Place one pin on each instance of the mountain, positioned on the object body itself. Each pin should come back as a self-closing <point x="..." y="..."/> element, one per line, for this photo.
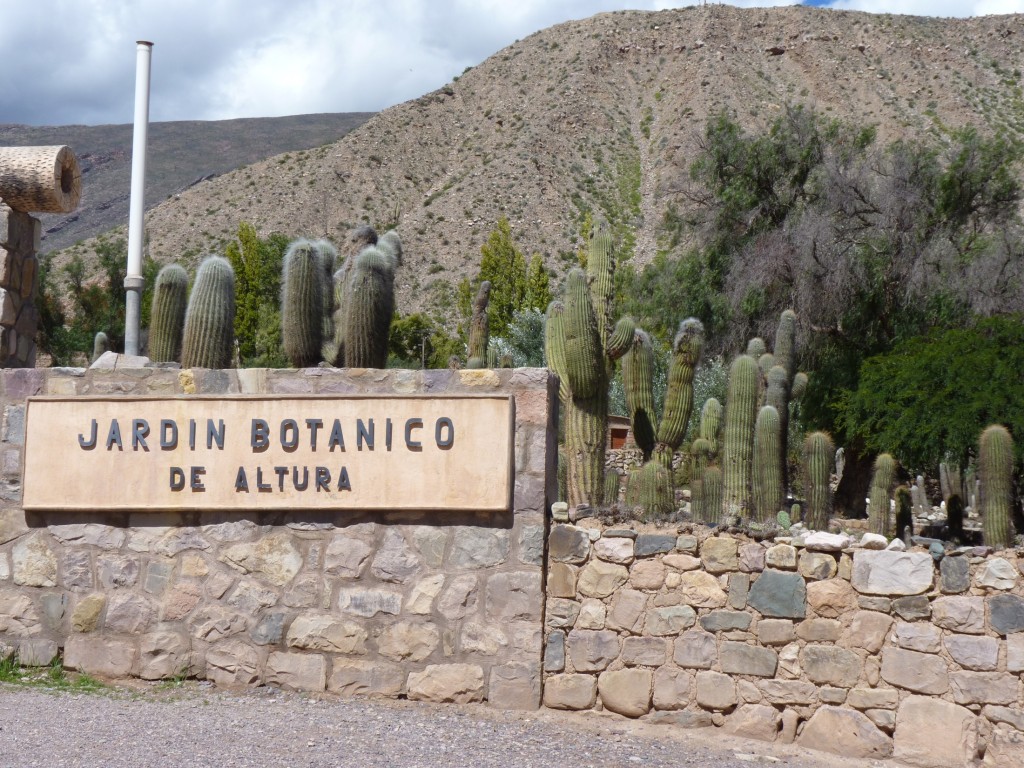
<point x="605" y="113"/>
<point x="180" y="155"/>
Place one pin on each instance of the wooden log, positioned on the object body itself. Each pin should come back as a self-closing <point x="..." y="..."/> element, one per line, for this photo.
<point x="40" y="179"/>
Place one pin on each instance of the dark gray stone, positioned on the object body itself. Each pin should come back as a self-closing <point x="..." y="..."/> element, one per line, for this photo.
<point x="568" y="544"/>
<point x="912" y="607"/>
<point x="269" y="629"/>
<point x="554" y="652"/>
<point x="956" y="575"/>
<point x="743" y="659"/>
<point x="648" y="544"/>
<point x="619" y="533"/>
<point x="739" y="588"/>
<point x="54" y="605"/>
<point x="723" y="621"/>
<point x="779" y="594"/>
<point x="1006" y="614"/>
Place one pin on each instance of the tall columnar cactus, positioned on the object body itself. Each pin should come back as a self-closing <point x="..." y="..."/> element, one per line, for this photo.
<point x="817" y="462"/>
<point x="370" y="300"/>
<point x="702" y="452"/>
<point x="782" y="385"/>
<point x="100" y="346"/>
<point x="582" y="349"/>
<point x="995" y="468"/>
<point x="713" y="492"/>
<point x="479" y="328"/>
<point x="328" y="255"/>
<point x="785" y="343"/>
<point x="711" y="423"/>
<point x="767" y="485"/>
<point x="879" y="495"/>
<point x="210" y="317"/>
<point x="361" y="238"/>
<point x="650" y="487"/>
<point x="390" y="244"/>
<point x="302" y="304"/>
<point x="756" y="347"/>
<point x="638" y="385"/>
<point x="612" y="481"/>
<point x="167" y="315"/>
<point x="738" y="448"/>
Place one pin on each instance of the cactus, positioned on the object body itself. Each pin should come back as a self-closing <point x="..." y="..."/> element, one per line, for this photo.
<point x="799" y="386"/>
<point x="302" y="304"/>
<point x="796" y="514"/>
<point x="881" y="484"/>
<point x="777" y="395"/>
<point x="370" y="298"/>
<point x="333" y="350"/>
<point x="701" y="453"/>
<point x="209" y="336"/>
<point x="328" y="255"/>
<point x="611" y="486"/>
<point x="100" y="346"/>
<point x="479" y="329"/>
<point x="756" y="347"/>
<point x="713" y="491"/>
<point x="995" y="467"/>
<point x="955" y="518"/>
<point x="738" y="448"/>
<point x="904" y="511"/>
<point x="167" y="315"/>
<point x="785" y="343"/>
<point x="638" y="384"/>
<point x="817" y="463"/>
<point x="767" y="485"/>
<point x="711" y="423"/>
<point x="783" y="519"/>
<point x="390" y="244"/>
<point x="563" y="475"/>
<point x="506" y="361"/>
<point x="650" y="487"/>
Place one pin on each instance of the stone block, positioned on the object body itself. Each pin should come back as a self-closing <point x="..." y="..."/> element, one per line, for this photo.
<point x="1006" y="614"/>
<point x="891" y="573"/>
<point x="687" y="543"/>
<point x="720" y="554"/>
<point x="430" y="542"/>
<point x="347" y="556"/>
<point x="739" y="589"/>
<point x="997" y="573"/>
<point x="269" y="629"/>
<point x="592" y="650"/>
<point x="644" y="651"/>
<point x="129" y="613"/>
<point x="781" y="557"/>
<point x="570" y="691"/>
<point x="831" y="599"/>
<point x="918" y="672"/>
<point x="724" y="620"/>
<point x="600" y="579"/>
<point x="486" y="638"/>
<point x="830" y="695"/>
<point x="874" y="603"/>
<point x="424" y="592"/>
<point x="35" y="564"/>
<point x="682" y="562"/>
<point x="614" y="550"/>
<point x="561" y="613"/>
<point x="273" y="558"/>
<point x="830" y="665"/>
<point x="297" y="671"/>
<point x="701" y="590"/>
<point x="775" y="631"/>
<point x="163" y="655"/>
<point x="1015" y="653"/>
<point x="670" y="620"/>
<point x="410" y="641"/>
<point x="696" y="649"/>
<point x="959" y="614"/>
<point x="921" y="637"/>
<point x="447" y="683"/>
<point x="561" y="580"/>
<point x="626" y="691"/>
<point x="592" y="614"/>
<point x="554" y="652"/>
<point x="475" y="547"/>
<point x="873" y="698"/>
<point x="649" y="544"/>
<point x="628" y="610"/>
<point x="954" y="575"/>
<point x="845" y="732"/>
<point x="788" y="692"/>
<point x="95" y="655"/>
<point x="912" y="607"/>
<point x="1010" y="715"/>
<point x="232" y="663"/>
<point x="715" y="690"/>
<point x="819" y="630"/>
<point x="777" y="594"/>
<point x="754" y="721"/>
<point x="932" y="733"/>
<point x="1005" y="747"/>
<point x="673" y="688"/>
<point x="648" y="574"/>
<point x="682" y="719"/>
<point x="742" y="659"/>
<point x="972" y="652"/>
<point x="86" y="616"/>
<point x="37" y="651"/>
<point x="752" y="558"/>
<point x="867" y="630"/>
<point x="366" y="679"/>
<point x="817" y="566"/>
<point x="514" y="686"/>
<point x="514" y="596"/>
<point x="984" y="687"/>
<point x="460" y="599"/>
<point x="568" y="544"/>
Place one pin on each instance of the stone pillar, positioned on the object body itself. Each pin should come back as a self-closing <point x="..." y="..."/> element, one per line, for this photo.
<point x="19" y="243"/>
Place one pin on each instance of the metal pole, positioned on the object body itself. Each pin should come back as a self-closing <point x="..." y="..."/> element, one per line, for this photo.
<point x="137" y="205"/>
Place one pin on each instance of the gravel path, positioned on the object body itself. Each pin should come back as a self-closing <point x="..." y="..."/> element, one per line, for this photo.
<point x="197" y="726"/>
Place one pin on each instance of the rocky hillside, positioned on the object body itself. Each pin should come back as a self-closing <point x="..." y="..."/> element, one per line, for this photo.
<point x="604" y="113"/>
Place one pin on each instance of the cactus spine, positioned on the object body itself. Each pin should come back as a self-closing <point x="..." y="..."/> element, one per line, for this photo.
<point x="479" y="328"/>
<point x="209" y="319"/>
<point x="738" y="451"/>
<point x="167" y="316"/>
<point x="302" y="304"/>
<point x="767" y="485"/>
<point x="881" y="486"/>
<point x="711" y="423"/>
<point x="370" y="300"/>
<point x="995" y="463"/>
<point x="713" y="491"/>
<point x="818" y="453"/>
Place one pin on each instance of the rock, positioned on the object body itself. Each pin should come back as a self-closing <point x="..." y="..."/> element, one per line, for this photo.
<point x="554" y="652"/>
<point x="561" y="613"/>
<point x="913" y="607"/>
<point x="752" y="558"/>
<point x="614" y="550"/>
<point x="1005" y="747"/>
<point x="696" y="649"/>
<point x="817" y="566"/>
<point x="682" y="719"/>
<point x="831" y="599"/>
<point x="86" y="616"/>
<point x="430" y="542"/>
<point x="297" y="671"/>
<point x="129" y="613"/>
<point x="178" y="540"/>
<point x="701" y="590"/>
<point x="844" y="732"/>
<point x="366" y="678"/>
<point x="961" y="614"/>
<point x="212" y="623"/>
<point x="620" y="533"/>
<point x="754" y="721"/>
<point x="531" y="546"/>
<point x="829" y="665"/>
<point x="561" y="580"/>
<point x="269" y="630"/>
<point x="97" y="655"/>
<point x="35" y="565"/>
<point x="274" y="558"/>
<point x="180" y="601"/>
<point x="1015" y="654"/>
<point x="92" y="534"/>
<point x="514" y="686"/>
<point x="781" y="556"/>
<point x="883" y="718"/>
<point x="829" y="695"/>
<point x="568" y="544"/>
<point x="673" y="688"/>
<point x="648" y="544"/>
<point x="455" y="683"/>
<point x="475" y="548"/>
<point x="158" y="574"/>
<point x="739" y="590"/>
<point x="367" y="603"/>
<point x="892" y="573"/>
<point x="955" y="575"/>
<point x="715" y="690"/>
<point x="821" y="541"/>
<point x="720" y="555"/>
<point x="163" y="655"/>
<point x="76" y="570"/>
<point x="932" y="733"/>
<point x="791" y="692"/>
<point x="592" y="650"/>
<point x="1006" y="614"/>
<point x="682" y="562"/>
<point x="984" y="687"/>
<point x="687" y="543"/>
<point x="570" y="691"/>
<point x="1010" y="715"/>
<point x="873" y="541"/>
<point x="461" y="598"/>
<point x="873" y="698"/>
<point x="870" y="603"/>
<point x="867" y="630"/>
<point x="560" y="511"/>
<point x="742" y="659"/>
<point x="324" y="632"/>
<point x="670" y="620"/>
<point x="626" y="691"/>
<point x="232" y="663"/>
<point x="972" y="652"/>
<point x="723" y="621"/>
<point x="997" y="573"/>
<point x="627" y="610"/>
<point x="421" y="598"/>
<point x="779" y="595"/>
<point x="818" y="630"/>
<point x="918" y="672"/>
<point x="790" y="721"/>
<point x="644" y="651"/>
<point x="921" y="637"/>
<point x="346" y="556"/>
<point x="251" y="597"/>
<point x="592" y="614"/>
<point x="789" y="661"/>
<point x="600" y="579"/>
<point x="647" y="574"/>
<point x="514" y="596"/>
<point x="37" y="652"/>
<point x="896" y="545"/>
<point x="409" y="641"/>
<point x="775" y="631"/>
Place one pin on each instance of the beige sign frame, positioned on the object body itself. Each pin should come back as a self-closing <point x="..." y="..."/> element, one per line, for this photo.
<point x="195" y="452"/>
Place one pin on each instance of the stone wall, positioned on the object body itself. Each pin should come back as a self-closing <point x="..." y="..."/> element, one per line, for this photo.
<point x="19" y="244"/>
<point x="861" y="652"/>
<point x="435" y="606"/>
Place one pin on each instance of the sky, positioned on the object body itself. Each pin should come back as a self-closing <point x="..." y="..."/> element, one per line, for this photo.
<point x="73" y="61"/>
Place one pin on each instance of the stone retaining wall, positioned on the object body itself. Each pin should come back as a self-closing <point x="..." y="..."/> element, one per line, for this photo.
<point x="19" y="244"/>
<point x="435" y="606"/>
<point x="861" y="652"/>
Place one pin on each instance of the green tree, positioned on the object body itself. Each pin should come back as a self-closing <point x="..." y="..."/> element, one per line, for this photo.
<point x="504" y="265"/>
<point x="538" y="285"/>
<point x="257" y="264"/>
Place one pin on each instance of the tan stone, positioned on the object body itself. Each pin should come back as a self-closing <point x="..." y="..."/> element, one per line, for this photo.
<point x="917" y="636"/>
<point x="867" y="630"/>
<point x="408" y="641"/>
<point x="232" y="663"/>
<point x="275" y="558"/>
<point x="35" y="564"/>
<point x="673" y="688"/>
<point x="600" y="579"/>
<point x="829" y="665"/>
<point x="984" y="687"/>
<point x="1005" y="747"/>
<point x="324" y="632"/>
<point x="180" y="601"/>
<point x="421" y="598"/>
<point x="592" y="650"/>
<point x="644" y="651"/>
<point x="627" y="610"/>
<point x="832" y="598"/>
<point x="487" y="639"/>
<point x="614" y="550"/>
<point x="12" y="525"/>
<point x="932" y="733"/>
<point x="919" y="672"/>
<point x="754" y="721"/>
<point x="626" y="691"/>
<point x="682" y="562"/>
<point x="781" y="556"/>
<point x="95" y="655"/>
<point x="817" y="566"/>
<point x="720" y="555"/>
<point x="86" y="616"/>
<point x="845" y="732"/>
<point x="129" y="613"/>
<point x="715" y="690"/>
<point x="297" y="671"/>
<point x="592" y="614"/>
<point x="514" y="686"/>
<point x="647" y="574"/>
<point x="458" y="683"/>
<point x="459" y="599"/>
<point x="702" y="590"/>
<point x="775" y="631"/>
<point x="194" y="566"/>
<point x="561" y="580"/>
<point x="163" y="655"/>
<point x="346" y="556"/>
<point x="792" y="692"/>
<point x="366" y="678"/>
<point x="819" y="630"/>
<point x="570" y="691"/>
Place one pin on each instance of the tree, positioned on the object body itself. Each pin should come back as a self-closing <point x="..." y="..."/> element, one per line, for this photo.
<point x="257" y="263"/>
<point x="504" y="265"/>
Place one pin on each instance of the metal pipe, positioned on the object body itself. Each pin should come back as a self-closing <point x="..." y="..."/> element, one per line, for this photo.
<point x="137" y="204"/>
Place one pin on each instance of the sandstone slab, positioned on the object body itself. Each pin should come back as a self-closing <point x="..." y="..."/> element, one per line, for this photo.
<point x="626" y="691"/>
<point x="232" y="664"/>
<point x="831" y="665"/>
<point x="720" y="554"/>
<point x="570" y="691"/>
<point x="701" y="590"/>
<point x="742" y="659"/>
<point x="892" y="573"/>
<point x="592" y="650"/>
<point x="845" y="732"/>
<point x="918" y="672"/>
<point x="754" y="721"/>
<point x="673" y="688"/>
<point x="960" y="614"/>
<point x="600" y="579"/>
<point x="932" y="733"/>
<point x="297" y="671"/>
<point x="447" y="683"/>
<point x="695" y="650"/>
<point x="715" y="690"/>
<point x="366" y="679"/>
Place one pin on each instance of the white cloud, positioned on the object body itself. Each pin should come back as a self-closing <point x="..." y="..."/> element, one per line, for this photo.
<point x="943" y="8"/>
